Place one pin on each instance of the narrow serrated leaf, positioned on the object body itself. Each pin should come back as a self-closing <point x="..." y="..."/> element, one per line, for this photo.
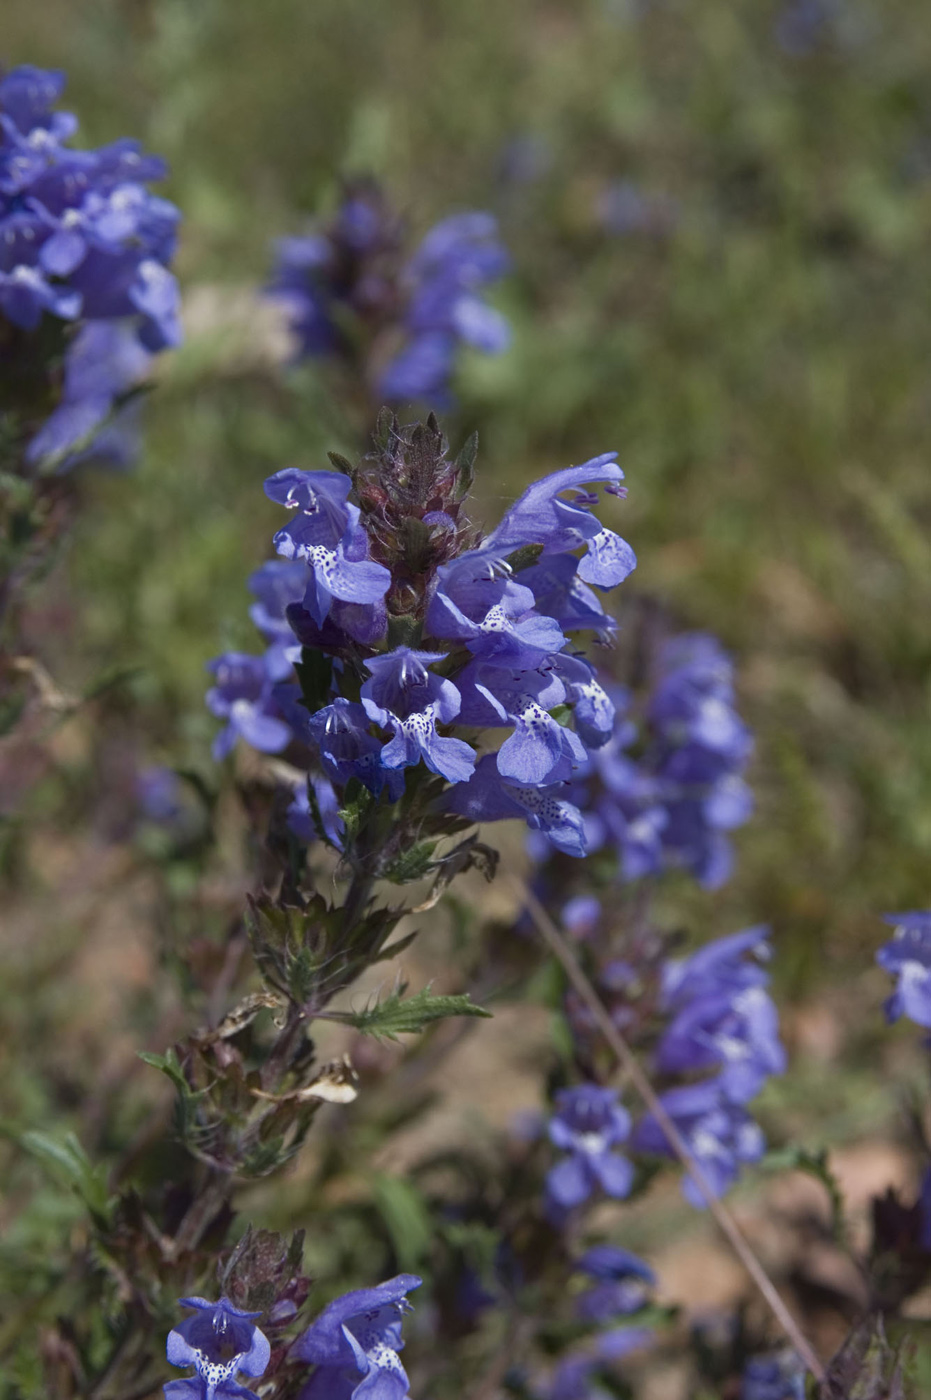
<point x="399" y="1016"/>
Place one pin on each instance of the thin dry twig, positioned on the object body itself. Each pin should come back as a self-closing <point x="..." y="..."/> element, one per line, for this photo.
<point x="635" y="1073"/>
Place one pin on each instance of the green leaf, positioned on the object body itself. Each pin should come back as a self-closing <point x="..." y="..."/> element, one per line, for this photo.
<point x="465" y="467"/>
<point x="412" y="864"/>
<point x="406" y="1218"/>
<point x="68" y="1157"/>
<point x="186" y="1101"/>
<point x="386" y="429"/>
<point x="359" y="802"/>
<point x="170" y="1065"/>
<point x="302" y="975"/>
<point x="341" y="463"/>
<point x="396" y="1016"/>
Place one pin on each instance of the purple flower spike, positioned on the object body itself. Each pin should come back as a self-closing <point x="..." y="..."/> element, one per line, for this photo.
<point x="354" y="1344"/>
<point x="444" y="279"/>
<point x="588" y="1123"/>
<point x="82" y="239"/>
<point x="218" y="1340"/>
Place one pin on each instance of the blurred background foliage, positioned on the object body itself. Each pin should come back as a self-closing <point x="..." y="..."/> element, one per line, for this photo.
<point x="756" y="346"/>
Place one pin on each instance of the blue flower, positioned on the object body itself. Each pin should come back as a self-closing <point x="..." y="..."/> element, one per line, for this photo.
<point x="105" y="360"/>
<point x="773" y="1378"/>
<point x="593" y="710"/>
<point x="488" y="797"/>
<point x="581" y="915"/>
<point x="342" y="272"/>
<point x="476" y="602"/>
<point x="723" y="963"/>
<point x="588" y="1122"/>
<point x="541" y="517"/>
<point x="325" y="532"/>
<point x="675" y="803"/>
<point x="622" y="1283"/>
<point x="720" y="1135"/>
<point x="82" y="239"/>
<point x="908" y="957"/>
<point x="349" y="294"/>
<point x="159" y="794"/>
<point x="276" y="585"/>
<point x="540" y="750"/>
<point x="737" y="1034"/>
<point x="354" y="1344"/>
<point x="243" y="696"/>
<point x="722" y="1017"/>
<point x="348" y="750"/>
<point x="218" y="1340"/>
<point x="444" y="279"/>
<point x="562" y="595"/>
<point x="406" y="697"/>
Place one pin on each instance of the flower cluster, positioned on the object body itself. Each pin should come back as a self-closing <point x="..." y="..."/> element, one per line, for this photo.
<point x="908" y="957"/>
<point x="404" y="624"/>
<point x="83" y="241"/>
<point x="722" y="1021"/>
<point x="675" y="803"/>
<point x="353" y="1346"/>
<point x="718" y="1021"/>
<point x="351" y="294"/>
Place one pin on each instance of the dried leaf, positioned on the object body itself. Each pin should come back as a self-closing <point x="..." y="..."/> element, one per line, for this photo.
<point x="336" y="1083"/>
<point x="240" y="1017"/>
